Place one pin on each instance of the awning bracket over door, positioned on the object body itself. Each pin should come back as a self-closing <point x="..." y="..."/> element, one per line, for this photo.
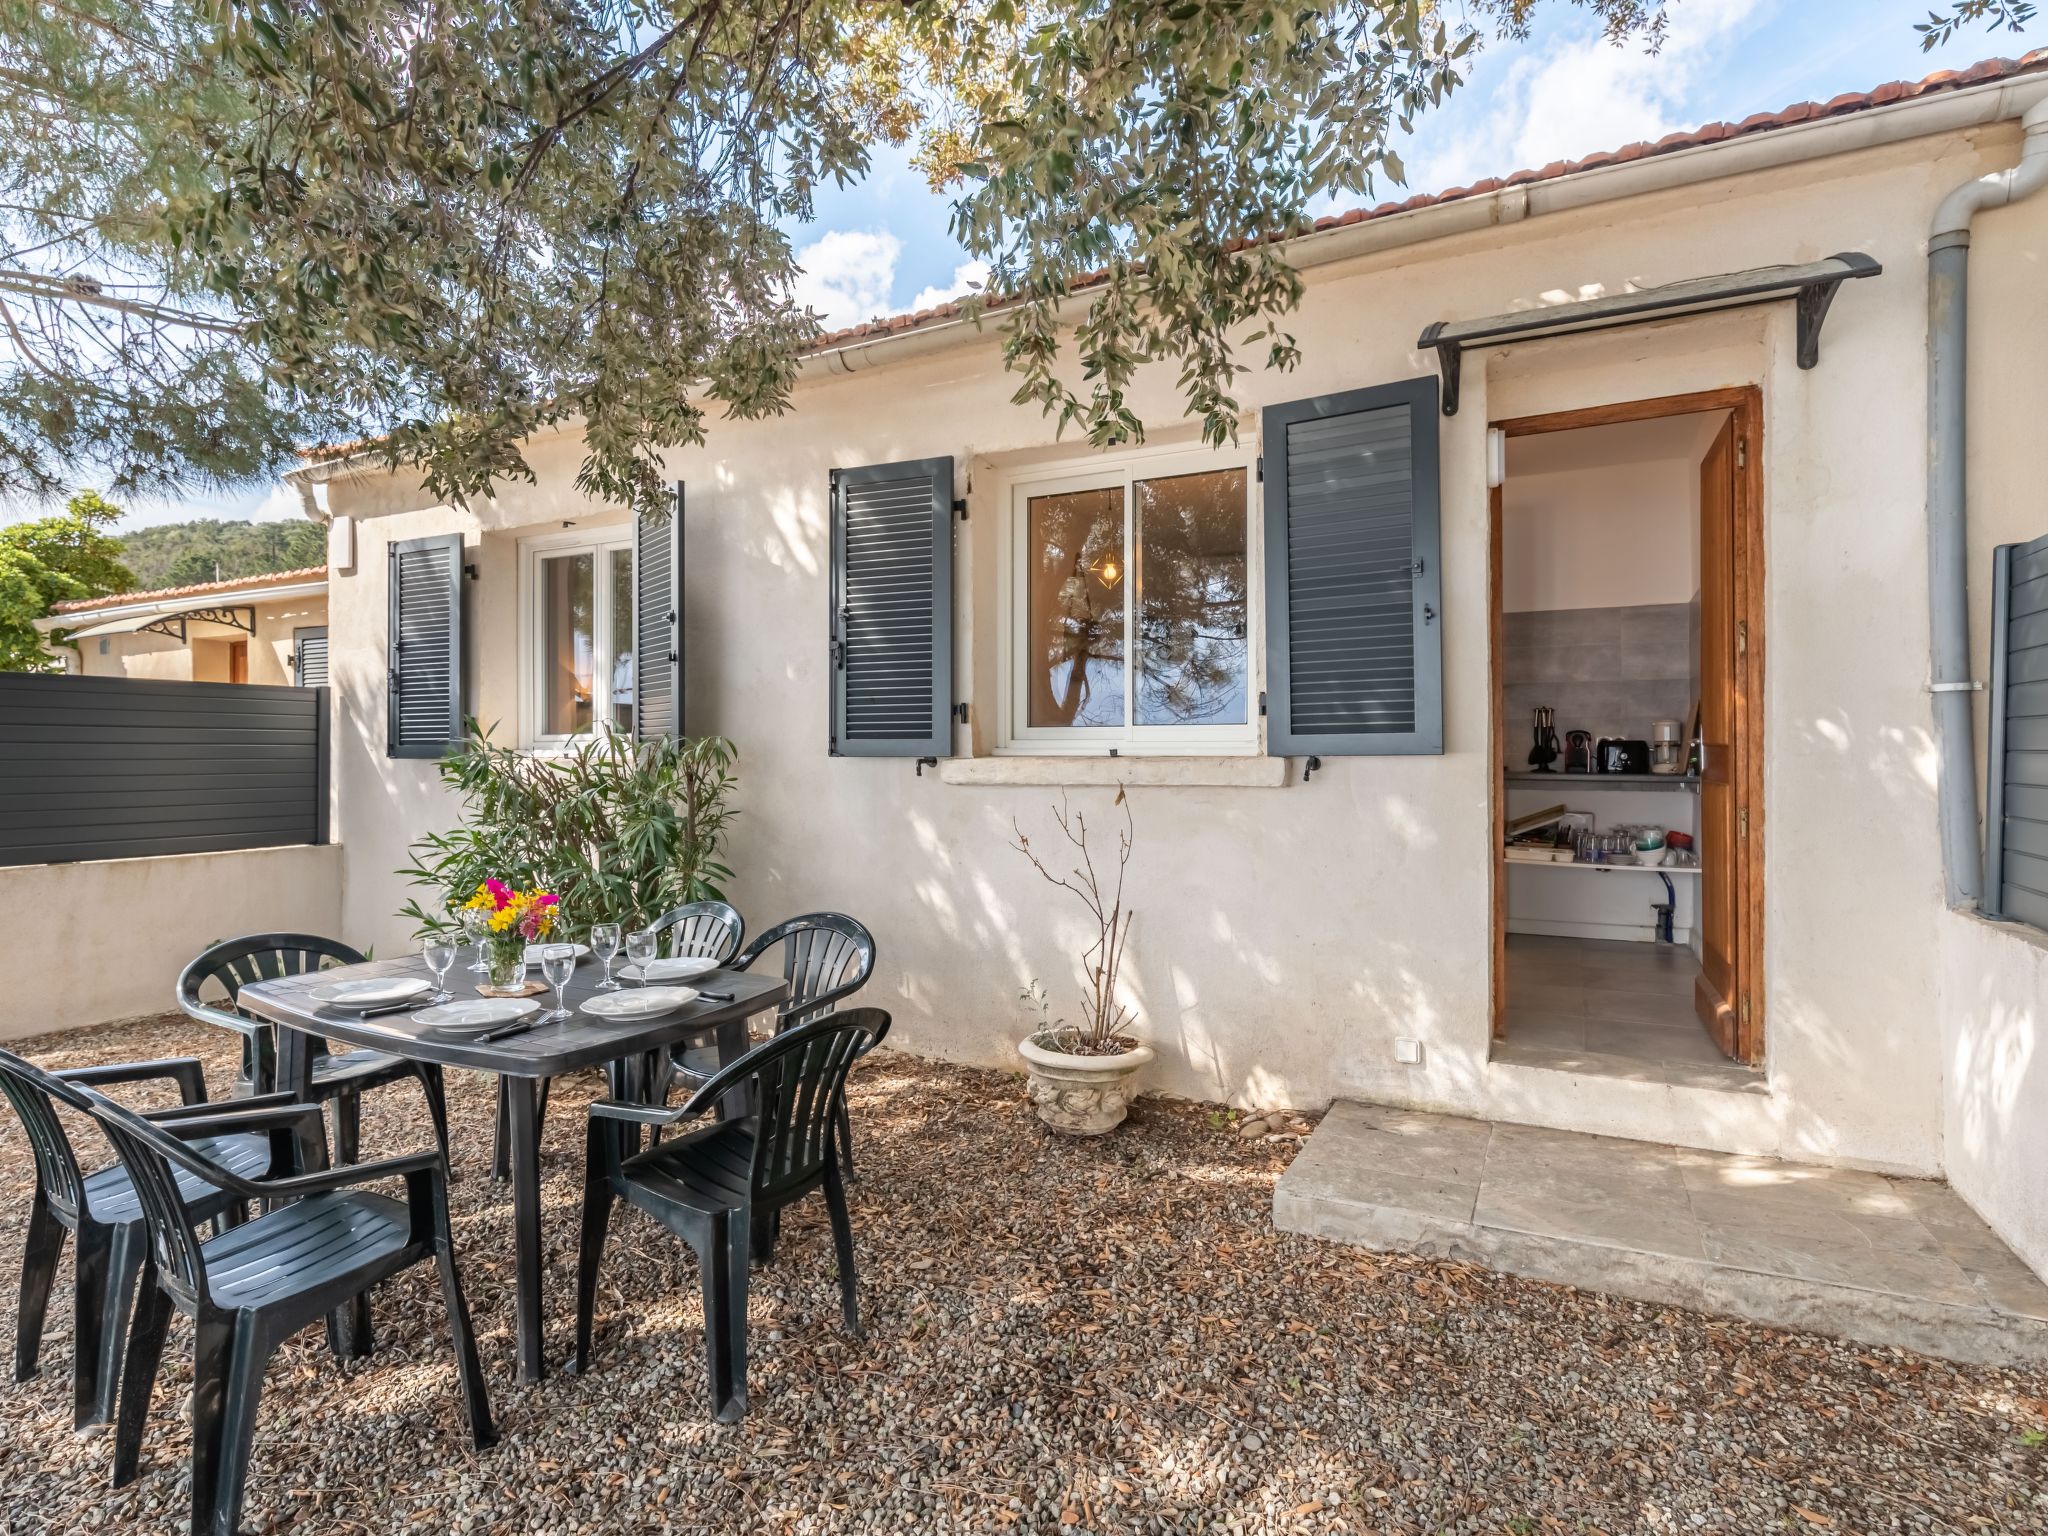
<point x="1811" y="285"/>
<point x="174" y="624"/>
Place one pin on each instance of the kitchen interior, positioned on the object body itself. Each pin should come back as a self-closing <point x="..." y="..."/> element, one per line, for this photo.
<point x="1600" y="718"/>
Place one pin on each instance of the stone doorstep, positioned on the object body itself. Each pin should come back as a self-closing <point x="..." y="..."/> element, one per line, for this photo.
<point x="1931" y="1278"/>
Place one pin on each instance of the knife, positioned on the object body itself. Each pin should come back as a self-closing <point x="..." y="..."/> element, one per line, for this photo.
<point x="378" y="1013"/>
<point x="506" y="1031"/>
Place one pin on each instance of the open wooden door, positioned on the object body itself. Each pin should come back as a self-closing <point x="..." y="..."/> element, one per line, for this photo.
<point x="1717" y="995"/>
<point x="238" y="661"/>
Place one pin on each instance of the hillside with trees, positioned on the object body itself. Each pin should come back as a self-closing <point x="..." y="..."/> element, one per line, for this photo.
<point x="215" y="549"/>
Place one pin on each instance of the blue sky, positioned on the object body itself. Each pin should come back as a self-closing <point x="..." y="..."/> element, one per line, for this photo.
<point x="882" y="247"/>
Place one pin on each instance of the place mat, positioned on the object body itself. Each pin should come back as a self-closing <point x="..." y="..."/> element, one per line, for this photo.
<point x="531" y="989"/>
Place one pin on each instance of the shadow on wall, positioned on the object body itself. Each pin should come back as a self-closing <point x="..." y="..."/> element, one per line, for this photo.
<point x="1245" y="977"/>
<point x="1997" y="1078"/>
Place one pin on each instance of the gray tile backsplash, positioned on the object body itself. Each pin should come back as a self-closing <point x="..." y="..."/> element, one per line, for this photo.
<point x="1610" y="671"/>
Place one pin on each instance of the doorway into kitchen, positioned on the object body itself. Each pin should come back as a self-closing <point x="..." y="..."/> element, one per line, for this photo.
<point x="1627" y="666"/>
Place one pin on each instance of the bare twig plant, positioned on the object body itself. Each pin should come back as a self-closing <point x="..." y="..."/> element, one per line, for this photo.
<point x="1105" y="1028"/>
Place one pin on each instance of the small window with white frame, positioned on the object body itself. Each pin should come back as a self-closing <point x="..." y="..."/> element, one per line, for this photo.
<point x="1130" y="603"/>
<point x="576" y="634"/>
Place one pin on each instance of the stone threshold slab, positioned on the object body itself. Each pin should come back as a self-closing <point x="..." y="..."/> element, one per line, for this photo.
<point x="1886" y="1261"/>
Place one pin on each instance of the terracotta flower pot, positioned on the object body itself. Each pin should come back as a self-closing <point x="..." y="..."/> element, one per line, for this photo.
<point x="1082" y="1095"/>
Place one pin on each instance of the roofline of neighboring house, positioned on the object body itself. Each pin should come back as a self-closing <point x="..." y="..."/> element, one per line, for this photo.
<point x="167" y="600"/>
<point x="1997" y="90"/>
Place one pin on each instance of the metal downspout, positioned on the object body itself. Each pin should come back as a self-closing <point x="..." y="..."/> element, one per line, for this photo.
<point x="1948" y="308"/>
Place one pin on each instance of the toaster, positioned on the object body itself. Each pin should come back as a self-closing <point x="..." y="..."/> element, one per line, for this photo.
<point x="1617" y="754"/>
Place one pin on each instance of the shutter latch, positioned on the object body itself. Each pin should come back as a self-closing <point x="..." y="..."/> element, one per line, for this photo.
<point x="924" y="763"/>
<point x="1428" y="614"/>
<point x="1417" y="567"/>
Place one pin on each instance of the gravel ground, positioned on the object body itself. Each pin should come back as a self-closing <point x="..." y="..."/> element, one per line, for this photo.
<point x="1062" y="1337"/>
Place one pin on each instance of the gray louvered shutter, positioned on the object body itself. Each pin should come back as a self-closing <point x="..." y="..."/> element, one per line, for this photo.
<point x="658" y="624"/>
<point x="425" y="717"/>
<point x="892" y="610"/>
<point x="2016" y="802"/>
<point x="1354" y="597"/>
<point x="309" y="657"/>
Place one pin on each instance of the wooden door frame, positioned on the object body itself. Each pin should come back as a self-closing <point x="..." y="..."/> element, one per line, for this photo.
<point x="1745" y="403"/>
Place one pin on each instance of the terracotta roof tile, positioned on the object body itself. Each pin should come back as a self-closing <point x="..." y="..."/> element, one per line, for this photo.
<point x="240" y="584"/>
<point x="1711" y="133"/>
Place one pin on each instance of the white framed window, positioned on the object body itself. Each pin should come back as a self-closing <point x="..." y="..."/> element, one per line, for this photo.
<point x="576" y="634"/>
<point x="1130" y="596"/>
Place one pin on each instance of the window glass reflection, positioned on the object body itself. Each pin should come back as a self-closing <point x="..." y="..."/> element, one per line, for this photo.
<point x="567" y="643"/>
<point x="622" y="639"/>
<point x="1192" y="652"/>
<point x="1075" y="656"/>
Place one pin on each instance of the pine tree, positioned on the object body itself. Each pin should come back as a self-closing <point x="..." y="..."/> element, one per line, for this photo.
<point x="227" y="228"/>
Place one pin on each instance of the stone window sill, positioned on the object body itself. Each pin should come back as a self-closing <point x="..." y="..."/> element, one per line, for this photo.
<point x="1081" y="772"/>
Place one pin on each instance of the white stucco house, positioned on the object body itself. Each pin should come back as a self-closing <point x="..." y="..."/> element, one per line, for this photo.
<point x="270" y="628"/>
<point x="1669" y="442"/>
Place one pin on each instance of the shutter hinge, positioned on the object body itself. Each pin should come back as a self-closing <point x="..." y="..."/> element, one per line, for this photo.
<point x="1260" y="464"/>
<point x="472" y="573"/>
<point x="1428" y="614"/>
<point x="1742" y="453"/>
<point x="1742" y="822"/>
<point x="960" y="506"/>
<point x="960" y="713"/>
<point x="1262" y="701"/>
<point x="1417" y="568"/>
<point x="1741" y="636"/>
<point x="1745" y="1007"/>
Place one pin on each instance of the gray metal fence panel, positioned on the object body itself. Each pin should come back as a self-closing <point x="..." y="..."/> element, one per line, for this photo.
<point x="124" y="768"/>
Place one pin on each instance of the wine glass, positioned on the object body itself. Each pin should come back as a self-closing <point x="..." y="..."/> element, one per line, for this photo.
<point x="557" y="965"/>
<point x="438" y="950"/>
<point x="605" y="939"/>
<point x="476" y="925"/>
<point x="640" y="946"/>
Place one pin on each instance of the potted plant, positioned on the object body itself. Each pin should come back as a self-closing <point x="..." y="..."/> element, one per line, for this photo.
<point x="621" y="830"/>
<point x="1081" y="1074"/>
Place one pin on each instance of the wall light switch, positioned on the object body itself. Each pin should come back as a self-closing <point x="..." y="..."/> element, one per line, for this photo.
<point x="1408" y="1052"/>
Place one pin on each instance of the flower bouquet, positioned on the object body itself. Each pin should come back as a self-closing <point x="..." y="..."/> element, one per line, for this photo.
<point x="512" y="920"/>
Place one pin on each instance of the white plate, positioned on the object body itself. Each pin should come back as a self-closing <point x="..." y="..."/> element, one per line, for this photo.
<point x="639" y="1002"/>
<point x="366" y="992"/>
<point x="474" y="1015"/>
<point x="681" y="968"/>
<point x="533" y="952"/>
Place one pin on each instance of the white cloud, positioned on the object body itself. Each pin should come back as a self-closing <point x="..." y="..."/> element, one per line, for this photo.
<point x="1579" y="94"/>
<point x="848" y="274"/>
<point x="969" y="275"/>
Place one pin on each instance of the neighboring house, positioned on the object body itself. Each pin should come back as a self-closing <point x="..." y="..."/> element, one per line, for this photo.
<point x="255" y="629"/>
<point x="1313" y="656"/>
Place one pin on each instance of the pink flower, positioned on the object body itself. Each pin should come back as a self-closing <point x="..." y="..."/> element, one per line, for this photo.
<point x="501" y="893"/>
